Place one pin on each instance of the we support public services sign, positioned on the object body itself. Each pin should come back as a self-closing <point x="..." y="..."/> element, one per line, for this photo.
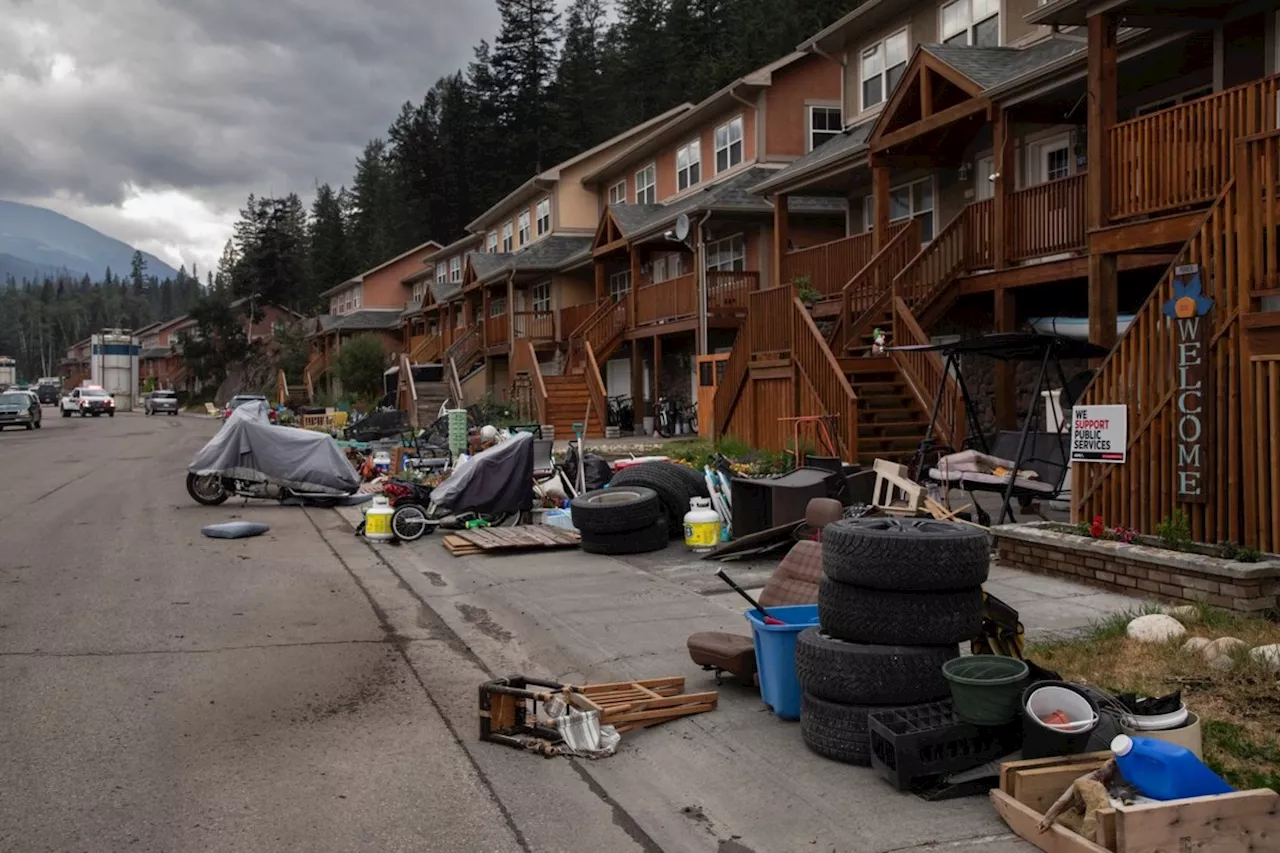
<point x="1099" y="433"/>
<point x="1189" y="309"/>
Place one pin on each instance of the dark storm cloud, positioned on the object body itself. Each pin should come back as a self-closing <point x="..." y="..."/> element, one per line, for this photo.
<point x="216" y="98"/>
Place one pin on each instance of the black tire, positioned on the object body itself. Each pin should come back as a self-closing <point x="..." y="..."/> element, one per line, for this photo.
<point x="837" y="731"/>
<point x="405" y="522"/>
<point x="205" y="499"/>
<point x="652" y="538"/>
<point x="617" y="509"/>
<point x="30" y="427"/>
<point x="65" y="413"/>
<point x="856" y="674"/>
<point x="912" y="554"/>
<point x="859" y="615"/>
<point x="39" y="422"/>
<point x="111" y="414"/>
<point x="674" y="489"/>
<point x="694" y="481"/>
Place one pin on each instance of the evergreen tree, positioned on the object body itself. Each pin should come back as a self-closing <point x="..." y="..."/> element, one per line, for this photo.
<point x="329" y="253"/>
<point x="461" y="157"/>
<point x="523" y="63"/>
<point x="372" y="211"/>
<point x="491" y="171"/>
<point x="414" y="162"/>
<point x="579" y="99"/>
<point x="639" y="62"/>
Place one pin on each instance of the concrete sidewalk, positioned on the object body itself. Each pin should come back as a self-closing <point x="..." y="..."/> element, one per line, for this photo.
<point x="735" y="779"/>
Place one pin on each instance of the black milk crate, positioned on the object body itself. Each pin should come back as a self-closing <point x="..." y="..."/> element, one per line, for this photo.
<point x="924" y="741"/>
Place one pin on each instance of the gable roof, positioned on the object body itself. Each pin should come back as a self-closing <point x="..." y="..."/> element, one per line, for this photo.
<point x="366" y="319"/>
<point x="990" y="67"/>
<point x="548" y="254"/>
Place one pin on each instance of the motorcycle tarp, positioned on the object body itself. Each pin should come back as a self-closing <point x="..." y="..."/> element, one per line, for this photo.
<point x="250" y="447"/>
<point x="494" y="481"/>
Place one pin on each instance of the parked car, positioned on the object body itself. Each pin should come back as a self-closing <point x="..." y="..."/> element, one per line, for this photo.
<point x="161" y="402"/>
<point x="49" y="393"/>
<point x="240" y="399"/>
<point x="20" y="408"/>
<point x="88" y="400"/>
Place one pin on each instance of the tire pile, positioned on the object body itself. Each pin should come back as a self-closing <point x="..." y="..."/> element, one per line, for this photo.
<point x="675" y="485"/>
<point x="896" y="598"/>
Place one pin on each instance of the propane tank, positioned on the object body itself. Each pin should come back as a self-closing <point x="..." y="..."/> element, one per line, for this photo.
<point x="701" y="526"/>
<point x="377" y="521"/>
<point x="382" y="462"/>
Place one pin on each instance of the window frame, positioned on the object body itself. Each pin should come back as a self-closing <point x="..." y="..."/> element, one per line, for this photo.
<point x="540" y="297"/>
<point x="650" y="189"/>
<point x="828" y="135"/>
<point x="455" y="269"/>
<point x="970" y="26"/>
<point x="729" y="256"/>
<point x="868" y="206"/>
<point x="508" y="236"/>
<point x="690" y="175"/>
<point x="491" y="242"/>
<point x="619" y="285"/>
<point x="524" y="231"/>
<point x="881" y="45"/>
<point x="729" y="143"/>
<point x="442" y="272"/>
<point x="542" y="216"/>
<point x="618" y="193"/>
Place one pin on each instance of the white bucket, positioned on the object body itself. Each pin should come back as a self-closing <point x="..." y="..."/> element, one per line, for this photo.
<point x="1045" y="700"/>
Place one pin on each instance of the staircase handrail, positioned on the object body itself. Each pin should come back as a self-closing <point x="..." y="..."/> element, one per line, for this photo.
<point x="732" y="380"/>
<point x="825" y="376"/>
<point x="604" y="317"/>
<point x="926" y="373"/>
<point x="875" y="280"/>
<point x="411" y="389"/>
<point x="595" y="385"/>
<point x="525" y="360"/>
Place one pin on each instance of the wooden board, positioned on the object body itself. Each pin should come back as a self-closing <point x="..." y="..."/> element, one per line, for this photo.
<point x="628" y="705"/>
<point x="532" y="536"/>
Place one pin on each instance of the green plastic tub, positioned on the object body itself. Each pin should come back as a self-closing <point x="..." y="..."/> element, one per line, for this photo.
<point x="986" y="689"/>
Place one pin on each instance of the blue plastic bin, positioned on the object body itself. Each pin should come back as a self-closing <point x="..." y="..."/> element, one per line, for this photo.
<point x="776" y="655"/>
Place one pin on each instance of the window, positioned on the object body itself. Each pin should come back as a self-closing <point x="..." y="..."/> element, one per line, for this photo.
<point x="497" y="306"/>
<point x="543" y="212"/>
<point x="618" y="193"/>
<point x="333" y="305"/>
<point x="507" y="231"/>
<point x="523" y="220"/>
<point x="455" y="270"/>
<point x="688" y="165"/>
<point x="1051" y="159"/>
<point x="442" y="272"/>
<point x="727" y="255"/>
<point x="619" y="285"/>
<point x="420" y="291"/>
<point x="729" y="145"/>
<point x="909" y="201"/>
<point x="971" y="22"/>
<point x="355" y="297"/>
<point x="983" y="186"/>
<point x="540" y="296"/>
<point x="668" y="266"/>
<point x="824" y="123"/>
<point x="491" y="242"/>
<point x="647" y="185"/>
<point x="883" y="65"/>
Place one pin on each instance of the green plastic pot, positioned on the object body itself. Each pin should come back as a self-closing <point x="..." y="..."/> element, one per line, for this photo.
<point x="986" y="690"/>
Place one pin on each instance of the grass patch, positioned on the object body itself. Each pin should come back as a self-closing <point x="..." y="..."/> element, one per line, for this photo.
<point x="1239" y="710"/>
<point x="749" y="460"/>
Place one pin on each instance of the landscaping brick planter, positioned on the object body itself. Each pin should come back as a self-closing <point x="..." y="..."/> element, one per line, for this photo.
<point x="1141" y="570"/>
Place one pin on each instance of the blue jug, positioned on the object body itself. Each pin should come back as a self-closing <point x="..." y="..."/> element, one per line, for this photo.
<point x="1165" y="771"/>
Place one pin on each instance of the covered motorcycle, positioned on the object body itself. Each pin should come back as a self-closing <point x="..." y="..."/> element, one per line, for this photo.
<point x="497" y="481"/>
<point x="251" y="457"/>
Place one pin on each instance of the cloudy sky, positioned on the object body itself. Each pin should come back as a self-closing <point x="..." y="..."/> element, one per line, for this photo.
<point x="151" y="120"/>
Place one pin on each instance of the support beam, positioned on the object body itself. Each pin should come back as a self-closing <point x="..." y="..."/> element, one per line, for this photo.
<point x="600" y="291"/>
<point x="880" y="205"/>
<point x="1006" y="397"/>
<point x="635" y="284"/>
<point x="1101" y="115"/>
<point x="1004" y="141"/>
<point x="926" y="93"/>
<point x="657" y="374"/>
<point x="637" y="383"/>
<point x="1103" y="300"/>
<point x="781" y="235"/>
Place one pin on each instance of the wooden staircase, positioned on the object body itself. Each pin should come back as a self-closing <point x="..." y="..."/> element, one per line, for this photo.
<point x="568" y="402"/>
<point x="891" y="420"/>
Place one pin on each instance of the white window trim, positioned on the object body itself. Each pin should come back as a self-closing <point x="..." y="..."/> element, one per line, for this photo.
<point x="868" y="204"/>
<point x="508" y="236"/>
<point x="695" y="159"/>
<point x="491" y="242"/>
<point x="442" y="272"/>
<point x="654" y="185"/>
<point x="712" y="248"/>
<point x="618" y="192"/>
<point x="616" y="292"/>
<point x="716" y="149"/>
<point x="1037" y="150"/>
<point x="538" y="217"/>
<point x="524" y="230"/>
<point x="808" y="122"/>
<point x="885" y="92"/>
<point x="543" y="287"/>
<point x="968" y="30"/>
<point x="455" y="270"/>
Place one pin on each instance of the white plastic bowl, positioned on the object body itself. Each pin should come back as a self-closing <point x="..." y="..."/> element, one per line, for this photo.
<point x="1043" y="701"/>
<point x="1157" y="722"/>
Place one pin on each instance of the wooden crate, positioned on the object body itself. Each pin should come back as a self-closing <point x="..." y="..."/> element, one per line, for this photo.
<point x="1230" y="823"/>
<point x="628" y="705"/>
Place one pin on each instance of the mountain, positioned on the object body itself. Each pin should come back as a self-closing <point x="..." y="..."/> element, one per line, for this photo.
<point x="35" y="241"/>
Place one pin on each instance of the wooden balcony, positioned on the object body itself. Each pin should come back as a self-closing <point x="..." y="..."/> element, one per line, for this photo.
<point x="829" y="266"/>
<point x="497" y="331"/>
<point x="1047" y="219"/>
<point x="667" y="301"/>
<point x="1182" y="156"/>
<point x="535" y="326"/>
<point x="729" y="292"/>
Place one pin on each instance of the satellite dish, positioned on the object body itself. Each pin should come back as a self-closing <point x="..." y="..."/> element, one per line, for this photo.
<point x="682" y="227"/>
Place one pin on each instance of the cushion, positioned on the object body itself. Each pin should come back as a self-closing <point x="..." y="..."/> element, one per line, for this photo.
<point x="795" y="581"/>
<point x="234" y="529"/>
<point x="986" y="482"/>
<point x="973" y="461"/>
<point x="730" y="652"/>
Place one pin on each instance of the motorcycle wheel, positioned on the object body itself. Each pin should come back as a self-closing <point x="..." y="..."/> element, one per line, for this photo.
<point x="206" y="490"/>
<point x="409" y="522"/>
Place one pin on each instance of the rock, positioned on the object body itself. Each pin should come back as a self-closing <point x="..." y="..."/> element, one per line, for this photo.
<point x="1155" y="628"/>
<point x="1221" y="652"/>
<point x="1196" y="644"/>
<point x="1268" y="656"/>
<point x="1185" y="613"/>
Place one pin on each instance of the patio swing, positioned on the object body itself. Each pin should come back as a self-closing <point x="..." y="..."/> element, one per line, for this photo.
<point x="1025" y="464"/>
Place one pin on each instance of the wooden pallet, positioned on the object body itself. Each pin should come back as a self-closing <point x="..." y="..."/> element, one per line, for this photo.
<point x="628" y="705"/>
<point x="531" y="537"/>
<point x="1244" y="820"/>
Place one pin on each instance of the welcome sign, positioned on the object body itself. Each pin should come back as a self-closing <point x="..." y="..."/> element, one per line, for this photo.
<point x="1189" y="309"/>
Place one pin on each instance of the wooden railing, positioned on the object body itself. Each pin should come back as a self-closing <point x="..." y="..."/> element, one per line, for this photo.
<point x="465" y="350"/>
<point x="924" y="372"/>
<point x="865" y="297"/>
<point x="666" y="301"/>
<point x="979" y="234"/>
<point x="1182" y="156"/>
<point x="525" y="360"/>
<point x="497" y="330"/>
<point x="408" y="396"/>
<point x="574" y="316"/>
<point x="426" y="350"/>
<point x="811" y="355"/>
<point x="828" y="265"/>
<point x="938" y="264"/>
<point x="1047" y="219"/>
<point x="766" y="320"/>
<point x="535" y="325"/>
<point x="595" y="385"/>
<point x="605" y="325"/>
<point x="732" y="380"/>
<point x="282" y="388"/>
<point x="728" y="291"/>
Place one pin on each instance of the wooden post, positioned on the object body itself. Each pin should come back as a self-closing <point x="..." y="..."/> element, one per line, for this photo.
<point x="1103" y="301"/>
<point x="657" y="374"/>
<point x="600" y="291"/>
<point x="635" y="284"/>
<point x="781" y="236"/>
<point x="637" y="382"/>
<point x="1006" y="405"/>
<point x="1004" y="182"/>
<point x="880" y="205"/>
<point x="1101" y="113"/>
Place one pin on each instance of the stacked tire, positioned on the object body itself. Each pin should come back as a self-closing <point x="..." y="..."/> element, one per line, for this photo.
<point x="896" y="598"/>
<point x="620" y="520"/>
<point x="674" y="484"/>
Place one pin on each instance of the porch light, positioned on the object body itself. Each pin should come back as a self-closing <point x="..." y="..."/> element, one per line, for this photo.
<point x="963" y="172"/>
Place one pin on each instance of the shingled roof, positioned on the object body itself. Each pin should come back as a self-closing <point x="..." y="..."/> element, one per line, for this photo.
<point x="990" y="67"/>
